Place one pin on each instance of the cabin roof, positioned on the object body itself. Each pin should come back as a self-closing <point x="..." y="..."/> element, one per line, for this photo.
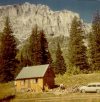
<point x="32" y="71"/>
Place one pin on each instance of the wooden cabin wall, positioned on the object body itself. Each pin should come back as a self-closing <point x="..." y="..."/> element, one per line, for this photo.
<point x="31" y="84"/>
<point x="49" y="79"/>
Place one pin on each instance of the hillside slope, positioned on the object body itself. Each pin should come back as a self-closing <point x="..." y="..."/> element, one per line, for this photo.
<point x="77" y="80"/>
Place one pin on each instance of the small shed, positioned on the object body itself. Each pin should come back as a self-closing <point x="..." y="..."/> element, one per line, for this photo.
<point x="35" y="78"/>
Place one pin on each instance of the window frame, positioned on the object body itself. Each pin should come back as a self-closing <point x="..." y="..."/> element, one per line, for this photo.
<point x="35" y="80"/>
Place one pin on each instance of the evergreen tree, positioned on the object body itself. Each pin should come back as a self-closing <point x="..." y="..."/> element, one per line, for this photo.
<point x="38" y="48"/>
<point x="94" y="43"/>
<point x="24" y="61"/>
<point x="46" y="57"/>
<point x="60" y="66"/>
<point x="7" y="54"/>
<point x="91" y="50"/>
<point x="77" y="49"/>
<point x="35" y="47"/>
<point x="1" y="62"/>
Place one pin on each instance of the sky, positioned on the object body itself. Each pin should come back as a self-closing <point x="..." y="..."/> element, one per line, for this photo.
<point x="86" y="8"/>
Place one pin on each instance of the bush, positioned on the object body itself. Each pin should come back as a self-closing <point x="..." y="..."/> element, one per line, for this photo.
<point x="74" y="70"/>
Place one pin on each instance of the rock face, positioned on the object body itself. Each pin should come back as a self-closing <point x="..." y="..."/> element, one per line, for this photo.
<point x="23" y="18"/>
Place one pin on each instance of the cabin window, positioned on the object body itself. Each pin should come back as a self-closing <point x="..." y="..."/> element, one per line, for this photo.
<point x="22" y="82"/>
<point x="35" y="81"/>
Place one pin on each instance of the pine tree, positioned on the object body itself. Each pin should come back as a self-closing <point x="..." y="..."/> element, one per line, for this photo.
<point x="38" y="48"/>
<point x="77" y="49"/>
<point x="1" y="61"/>
<point x="24" y="61"/>
<point x="60" y="66"/>
<point x="35" y="47"/>
<point x="8" y="53"/>
<point x="46" y="57"/>
<point x="91" y="50"/>
<point x="94" y="43"/>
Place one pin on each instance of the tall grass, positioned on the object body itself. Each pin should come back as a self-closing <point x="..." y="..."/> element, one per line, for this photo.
<point x="80" y="79"/>
<point x="6" y="90"/>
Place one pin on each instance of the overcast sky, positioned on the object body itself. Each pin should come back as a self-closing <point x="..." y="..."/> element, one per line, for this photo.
<point x="86" y="8"/>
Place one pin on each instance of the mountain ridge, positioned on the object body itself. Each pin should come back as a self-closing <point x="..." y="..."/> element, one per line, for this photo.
<point x="25" y="16"/>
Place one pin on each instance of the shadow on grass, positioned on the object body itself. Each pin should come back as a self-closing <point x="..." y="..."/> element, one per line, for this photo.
<point x="56" y="86"/>
<point x="7" y="99"/>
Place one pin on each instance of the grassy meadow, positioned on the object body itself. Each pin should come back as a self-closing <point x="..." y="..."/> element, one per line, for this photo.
<point x="7" y="90"/>
<point x="77" y="80"/>
<point x="69" y="81"/>
<point x="64" y="98"/>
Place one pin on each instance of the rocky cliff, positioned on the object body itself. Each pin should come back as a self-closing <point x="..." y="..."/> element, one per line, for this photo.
<point x="23" y="17"/>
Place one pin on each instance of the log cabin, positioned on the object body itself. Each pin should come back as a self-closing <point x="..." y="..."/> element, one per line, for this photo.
<point x="35" y="78"/>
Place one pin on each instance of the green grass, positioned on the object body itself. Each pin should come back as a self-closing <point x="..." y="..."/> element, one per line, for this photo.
<point x="6" y="90"/>
<point x="72" y="97"/>
<point x="26" y="95"/>
<point x="77" y="80"/>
